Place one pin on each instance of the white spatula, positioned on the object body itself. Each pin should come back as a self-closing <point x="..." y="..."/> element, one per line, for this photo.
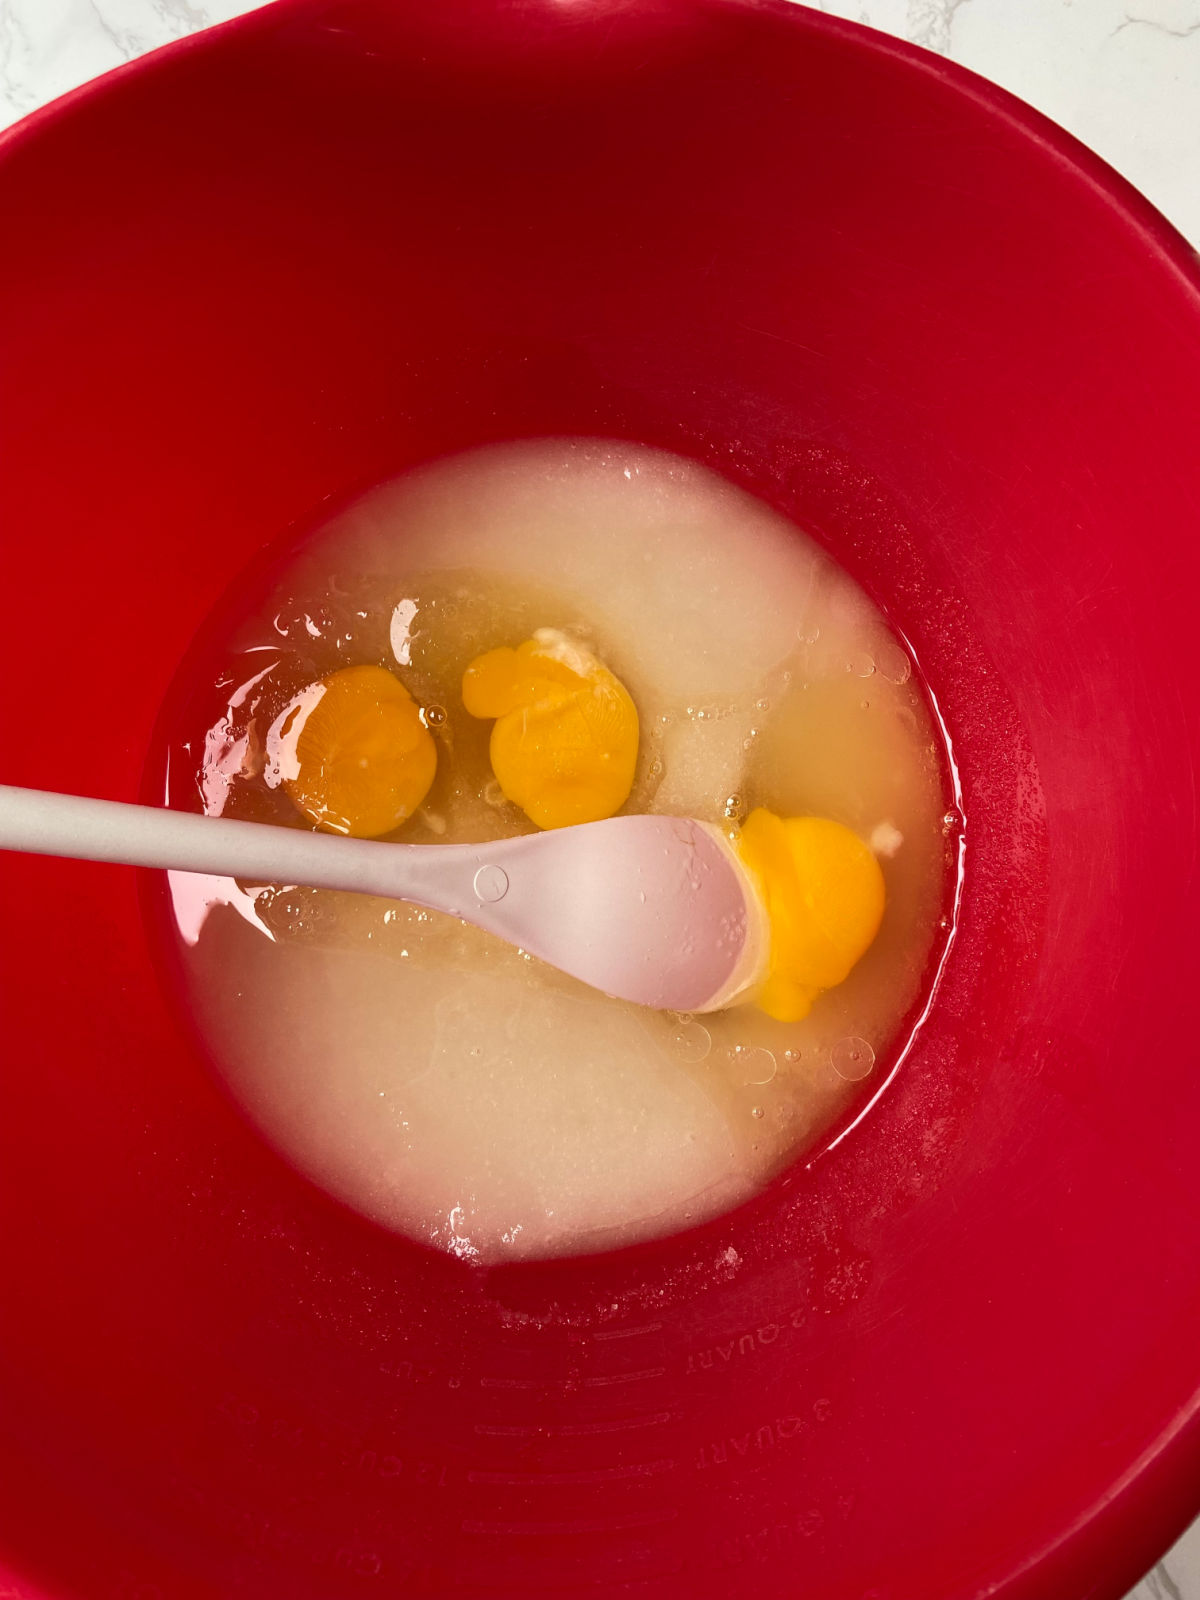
<point x="656" y="910"/>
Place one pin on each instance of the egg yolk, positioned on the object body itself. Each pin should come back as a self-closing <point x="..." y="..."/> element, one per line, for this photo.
<point x="824" y="896"/>
<point x="363" y="757"/>
<point x="564" y="747"/>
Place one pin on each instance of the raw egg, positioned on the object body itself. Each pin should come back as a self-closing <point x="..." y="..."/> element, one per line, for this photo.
<point x="823" y="893"/>
<point x="362" y="758"/>
<point x="565" y="744"/>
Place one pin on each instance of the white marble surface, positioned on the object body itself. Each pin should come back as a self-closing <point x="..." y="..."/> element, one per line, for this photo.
<point x="1123" y="75"/>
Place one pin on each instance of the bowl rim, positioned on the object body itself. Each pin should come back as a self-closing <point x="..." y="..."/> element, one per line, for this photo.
<point x="1169" y="244"/>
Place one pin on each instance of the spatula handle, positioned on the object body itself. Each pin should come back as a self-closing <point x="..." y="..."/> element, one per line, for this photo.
<point x="36" y="821"/>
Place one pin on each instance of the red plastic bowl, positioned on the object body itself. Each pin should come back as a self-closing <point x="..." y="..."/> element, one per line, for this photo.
<point x="957" y="1356"/>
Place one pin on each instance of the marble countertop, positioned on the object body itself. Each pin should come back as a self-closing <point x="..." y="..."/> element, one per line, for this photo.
<point x="1122" y="75"/>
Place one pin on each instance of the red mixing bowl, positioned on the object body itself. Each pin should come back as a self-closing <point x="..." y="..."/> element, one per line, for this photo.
<point x="958" y="1354"/>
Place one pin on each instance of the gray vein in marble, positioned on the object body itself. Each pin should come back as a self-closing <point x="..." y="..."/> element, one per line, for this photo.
<point x="164" y="20"/>
<point x="931" y="23"/>
<point x="14" y="58"/>
<point x="1151" y="22"/>
<point x="124" y="40"/>
<point x="1161" y="1584"/>
<point x="182" y="15"/>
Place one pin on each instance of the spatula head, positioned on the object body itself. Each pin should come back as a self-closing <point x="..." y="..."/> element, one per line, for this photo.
<point x="657" y="910"/>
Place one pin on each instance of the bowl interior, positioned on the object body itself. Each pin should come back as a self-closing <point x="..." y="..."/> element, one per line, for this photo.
<point x="331" y="241"/>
